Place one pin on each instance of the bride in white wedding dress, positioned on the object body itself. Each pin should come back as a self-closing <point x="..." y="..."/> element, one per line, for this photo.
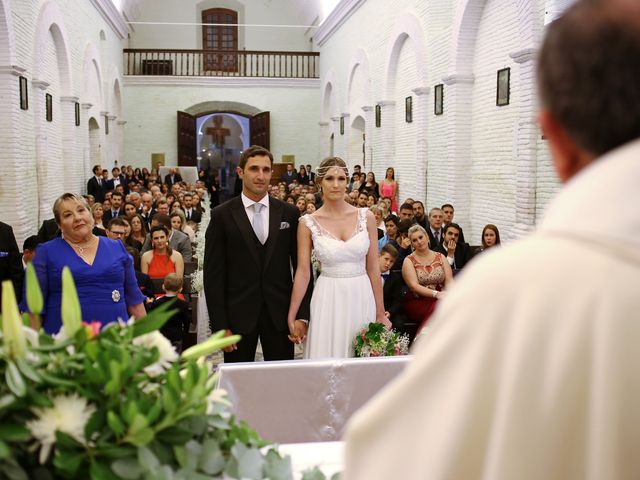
<point x="348" y="293"/>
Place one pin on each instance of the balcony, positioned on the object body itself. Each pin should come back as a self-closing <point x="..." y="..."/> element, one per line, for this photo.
<point x="227" y="63"/>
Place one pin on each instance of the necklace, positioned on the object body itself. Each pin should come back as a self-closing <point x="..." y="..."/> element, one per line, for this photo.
<point x="81" y="248"/>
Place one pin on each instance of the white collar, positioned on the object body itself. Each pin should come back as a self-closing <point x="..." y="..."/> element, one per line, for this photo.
<point x="247" y="202"/>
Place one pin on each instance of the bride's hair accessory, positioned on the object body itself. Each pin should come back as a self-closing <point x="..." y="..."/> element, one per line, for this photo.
<point x="328" y="164"/>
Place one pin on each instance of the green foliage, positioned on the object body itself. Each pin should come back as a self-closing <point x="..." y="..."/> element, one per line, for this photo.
<point x="168" y="425"/>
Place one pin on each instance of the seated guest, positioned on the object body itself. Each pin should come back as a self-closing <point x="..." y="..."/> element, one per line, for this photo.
<point x="116" y="229"/>
<point x="11" y="267"/>
<point x="178" y="325"/>
<point x="98" y="216"/>
<point x="490" y="236"/>
<point x="129" y="209"/>
<point x="106" y="283"/>
<point x="179" y="223"/>
<point x="354" y="184"/>
<point x="191" y="213"/>
<point x="392" y="287"/>
<point x="391" y="231"/>
<point x="406" y="212"/>
<point x="29" y="249"/>
<point x="311" y="207"/>
<point x="177" y="240"/>
<point x="128" y="239"/>
<point x="447" y="217"/>
<point x="161" y="259"/>
<point x="361" y="201"/>
<point x="370" y="186"/>
<point x="377" y="214"/>
<point x="301" y="205"/>
<point x="457" y="252"/>
<point x="289" y="176"/>
<point x="418" y="214"/>
<point x="303" y="176"/>
<point x="371" y="200"/>
<point x="427" y="273"/>
<point x="117" y="199"/>
<point x="172" y="177"/>
<point x="402" y="243"/>
<point x="435" y="232"/>
<point x="138" y="229"/>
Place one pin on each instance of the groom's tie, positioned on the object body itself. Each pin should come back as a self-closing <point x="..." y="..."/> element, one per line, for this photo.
<point x="258" y="224"/>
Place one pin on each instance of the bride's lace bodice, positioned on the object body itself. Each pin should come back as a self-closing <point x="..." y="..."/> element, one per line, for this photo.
<point x="339" y="258"/>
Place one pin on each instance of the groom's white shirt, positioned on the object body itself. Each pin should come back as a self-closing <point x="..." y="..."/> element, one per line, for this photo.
<point x="529" y="368"/>
<point x="248" y="208"/>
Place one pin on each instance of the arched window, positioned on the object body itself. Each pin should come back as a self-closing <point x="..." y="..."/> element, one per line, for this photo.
<point x="220" y="38"/>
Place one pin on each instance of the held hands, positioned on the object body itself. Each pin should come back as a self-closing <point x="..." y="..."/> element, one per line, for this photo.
<point x="230" y="348"/>
<point x="384" y="320"/>
<point x="298" y="331"/>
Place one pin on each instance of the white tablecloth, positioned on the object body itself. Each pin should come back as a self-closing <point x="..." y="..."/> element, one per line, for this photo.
<point x="305" y="400"/>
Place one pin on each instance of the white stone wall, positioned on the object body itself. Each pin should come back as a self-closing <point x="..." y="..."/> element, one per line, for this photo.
<point x="294" y="117"/>
<point x="489" y="161"/>
<point x="47" y="42"/>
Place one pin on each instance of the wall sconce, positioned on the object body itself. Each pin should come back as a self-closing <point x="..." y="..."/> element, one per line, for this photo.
<point x="24" y="94"/>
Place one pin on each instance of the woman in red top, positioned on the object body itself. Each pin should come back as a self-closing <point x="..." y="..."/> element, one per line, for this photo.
<point x="161" y="259"/>
<point x="426" y="273"/>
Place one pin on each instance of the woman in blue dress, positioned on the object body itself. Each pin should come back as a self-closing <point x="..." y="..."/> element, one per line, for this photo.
<point x="102" y="269"/>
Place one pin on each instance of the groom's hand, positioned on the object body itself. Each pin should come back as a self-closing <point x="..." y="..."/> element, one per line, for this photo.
<point x="298" y="332"/>
<point x="230" y="348"/>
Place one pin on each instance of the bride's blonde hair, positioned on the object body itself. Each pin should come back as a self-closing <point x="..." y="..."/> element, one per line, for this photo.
<point x="327" y="164"/>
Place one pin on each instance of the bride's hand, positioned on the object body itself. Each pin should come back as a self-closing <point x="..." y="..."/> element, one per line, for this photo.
<point x="385" y="321"/>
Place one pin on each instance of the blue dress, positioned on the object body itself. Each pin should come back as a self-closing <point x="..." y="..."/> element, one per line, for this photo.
<point x="105" y="289"/>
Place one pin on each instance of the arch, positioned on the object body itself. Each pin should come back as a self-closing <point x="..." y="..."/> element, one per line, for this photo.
<point x="360" y="60"/>
<point x="115" y="103"/>
<point x="103" y="36"/>
<point x="219" y="106"/>
<point x="407" y="26"/>
<point x="358" y="123"/>
<point x="466" y="25"/>
<point x="7" y="55"/>
<point x="92" y="76"/>
<point x="50" y="19"/>
<point x="329" y="93"/>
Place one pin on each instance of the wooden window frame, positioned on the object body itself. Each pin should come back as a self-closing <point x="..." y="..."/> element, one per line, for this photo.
<point x="220" y="62"/>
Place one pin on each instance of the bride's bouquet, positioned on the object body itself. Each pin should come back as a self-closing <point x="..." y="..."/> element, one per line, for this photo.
<point x="377" y="341"/>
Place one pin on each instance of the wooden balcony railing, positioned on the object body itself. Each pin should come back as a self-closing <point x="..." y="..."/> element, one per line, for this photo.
<point x="228" y="63"/>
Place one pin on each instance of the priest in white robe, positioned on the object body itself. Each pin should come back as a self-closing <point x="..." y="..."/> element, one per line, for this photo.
<point x="530" y="368"/>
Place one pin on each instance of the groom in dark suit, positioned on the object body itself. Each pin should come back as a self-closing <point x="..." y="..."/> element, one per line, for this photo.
<point x="250" y="254"/>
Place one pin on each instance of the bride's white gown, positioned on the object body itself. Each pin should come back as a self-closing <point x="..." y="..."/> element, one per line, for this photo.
<point x="342" y="301"/>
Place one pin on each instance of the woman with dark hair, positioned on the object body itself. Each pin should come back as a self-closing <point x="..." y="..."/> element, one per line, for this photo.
<point x="102" y="269"/>
<point x="348" y="293"/>
<point x="490" y="236"/>
<point x="128" y="239"/>
<point x="138" y="228"/>
<point x="303" y="176"/>
<point x="301" y="205"/>
<point x="389" y="188"/>
<point x="370" y="186"/>
<point x="129" y="210"/>
<point x="161" y="259"/>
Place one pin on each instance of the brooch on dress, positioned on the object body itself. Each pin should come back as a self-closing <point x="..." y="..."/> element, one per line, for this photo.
<point x="115" y="296"/>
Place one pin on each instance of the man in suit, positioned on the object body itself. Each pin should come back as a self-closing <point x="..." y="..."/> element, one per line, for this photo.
<point x="116" y="208"/>
<point x="448" y="212"/>
<point x="457" y="251"/>
<point x="289" y="176"/>
<point x="250" y="253"/>
<point x="190" y="213"/>
<point x="392" y="287"/>
<point x="96" y="185"/>
<point x="172" y="177"/>
<point x="434" y="229"/>
<point x="311" y="173"/>
<point x="119" y="179"/>
<point x="418" y="214"/>
<point x="10" y="260"/>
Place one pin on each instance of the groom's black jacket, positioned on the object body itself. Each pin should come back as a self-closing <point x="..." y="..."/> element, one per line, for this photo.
<point x="241" y="275"/>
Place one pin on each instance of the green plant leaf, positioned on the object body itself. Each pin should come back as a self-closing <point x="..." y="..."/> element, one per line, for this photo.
<point x="59" y="382"/>
<point x="174" y="436"/>
<point x="155" y="320"/>
<point x="66" y="441"/>
<point x="13" y="471"/>
<point x="127" y="468"/>
<point x="6" y="401"/>
<point x="250" y="464"/>
<point x="211" y="345"/>
<point x="313" y="474"/>
<point x="70" y="308"/>
<point x="276" y="467"/>
<point x="27" y="370"/>
<point x="212" y="460"/>
<point x="5" y="451"/>
<point x="100" y="471"/>
<point x="12" y="432"/>
<point x="14" y="379"/>
<point x="12" y="327"/>
<point x="68" y="462"/>
<point x="115" y="424"/>
<point x="34" y="294"/>
<point x="147" y="459"/>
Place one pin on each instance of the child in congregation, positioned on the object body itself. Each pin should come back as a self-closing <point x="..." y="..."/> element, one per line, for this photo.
<point x="392" y="287"/>
<point x="178" y="325"/>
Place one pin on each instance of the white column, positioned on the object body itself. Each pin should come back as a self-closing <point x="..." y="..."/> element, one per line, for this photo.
<point x="42" y="173"/>
<point x="337" y="138"/>
<point x="526" y="134"/>
<point x="84" y="142"/>
<point x="388" y="133"/>
<point x="123" y="161"/>
<point x="105" y="141"/>
<point x="420" y="116"/>
<point x="71" y="158"/>
<point x="369" y="126"/>
<point x="458" y="95"/>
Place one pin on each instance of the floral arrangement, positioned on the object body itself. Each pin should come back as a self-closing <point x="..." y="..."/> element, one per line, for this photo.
<point x="117" y="402"/>
<point x="377" y="341"/>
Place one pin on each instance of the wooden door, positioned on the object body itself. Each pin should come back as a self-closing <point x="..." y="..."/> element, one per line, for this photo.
<point x="259" y="132"/>
<point x="220" y="38"/>
<point x="187" y="145"/>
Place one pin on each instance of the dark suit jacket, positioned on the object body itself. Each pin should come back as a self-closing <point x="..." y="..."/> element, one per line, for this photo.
<point x="178" y="324"/>
<point x="10" y="260"/>
<point x="432" y="239"/>
<point x="176" y="178"/>
<point x="93" y="188"/>
<point x="461" y="256"/>
<point x="108" y="216"/>
<point x="236" y="282"/>
<point x="196" y="216"/>
<point x="48" y="230"/>
<point x="393" y="292"/>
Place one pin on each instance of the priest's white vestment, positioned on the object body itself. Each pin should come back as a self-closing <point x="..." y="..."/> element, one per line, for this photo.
<point x="530" y="368"/>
